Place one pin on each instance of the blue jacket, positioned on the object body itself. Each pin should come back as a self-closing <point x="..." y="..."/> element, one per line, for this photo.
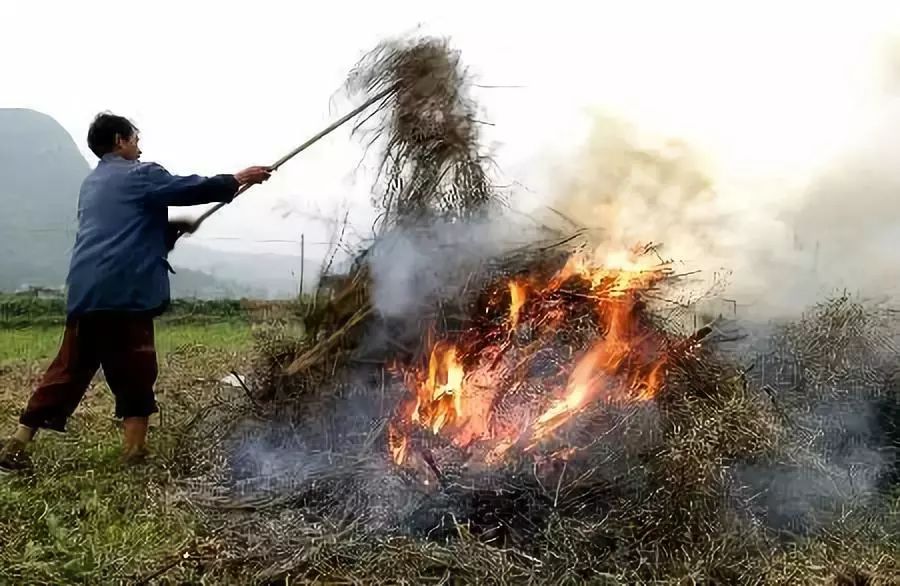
<point x="119" y="258"/>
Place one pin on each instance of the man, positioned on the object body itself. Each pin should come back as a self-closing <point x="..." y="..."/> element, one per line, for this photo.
<point x="118" y="283"/>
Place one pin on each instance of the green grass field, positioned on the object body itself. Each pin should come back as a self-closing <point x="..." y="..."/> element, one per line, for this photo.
<point x="29" y="344"/>
<point x="81" y="518"/>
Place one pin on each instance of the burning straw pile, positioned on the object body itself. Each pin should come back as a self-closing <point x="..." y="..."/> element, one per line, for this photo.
<point x="548" y="421"/>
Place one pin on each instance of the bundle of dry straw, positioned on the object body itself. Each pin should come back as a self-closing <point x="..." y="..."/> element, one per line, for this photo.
<point x="429" y="138"/>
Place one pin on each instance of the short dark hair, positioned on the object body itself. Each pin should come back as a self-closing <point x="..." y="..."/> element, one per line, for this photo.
<point x="103" y="131"/>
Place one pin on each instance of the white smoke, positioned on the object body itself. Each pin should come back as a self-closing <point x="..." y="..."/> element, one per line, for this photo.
<point x="411" y="266"/>
<point x="783" y="244"/>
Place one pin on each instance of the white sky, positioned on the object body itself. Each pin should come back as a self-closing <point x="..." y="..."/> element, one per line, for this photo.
<point x="766" y="89"/>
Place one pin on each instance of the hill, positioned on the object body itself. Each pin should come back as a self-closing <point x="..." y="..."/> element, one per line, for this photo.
<point x="42" y="171"/>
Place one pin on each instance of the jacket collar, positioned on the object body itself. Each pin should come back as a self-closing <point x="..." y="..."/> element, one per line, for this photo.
<point x="113" y="158"/>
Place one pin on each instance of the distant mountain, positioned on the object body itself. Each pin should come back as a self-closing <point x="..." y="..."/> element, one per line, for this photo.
<point x="273" y="275"/>
<point x="42" y="169"/>
<point x="188" y="283"/>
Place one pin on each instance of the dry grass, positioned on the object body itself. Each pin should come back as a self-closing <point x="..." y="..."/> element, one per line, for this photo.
<point x="431" y="160"/>
<point x="723" y="479"/>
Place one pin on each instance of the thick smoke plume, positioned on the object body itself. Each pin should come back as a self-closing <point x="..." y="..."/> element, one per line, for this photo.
<point x="848" y="217"/>
<point x="628" y="192"/>
<point x="411" y="265"/>
<point x="782" y="246"/>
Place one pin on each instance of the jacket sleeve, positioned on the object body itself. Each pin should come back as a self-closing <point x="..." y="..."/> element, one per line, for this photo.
<point x="163" y="188"/>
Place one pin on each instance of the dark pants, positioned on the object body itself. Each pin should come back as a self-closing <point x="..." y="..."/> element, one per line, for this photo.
<point x="123" y="344"/>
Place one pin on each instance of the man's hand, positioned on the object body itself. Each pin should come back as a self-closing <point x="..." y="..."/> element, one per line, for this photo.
<point x="175" y="230"/>
<point x="253" y="175"/>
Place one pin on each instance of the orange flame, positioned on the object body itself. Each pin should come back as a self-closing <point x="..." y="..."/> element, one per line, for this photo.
<point x="626" y="363"/>
<point x="439" y="398"/>
<point x="595" y="372"/>
<point x="517" y="294"/>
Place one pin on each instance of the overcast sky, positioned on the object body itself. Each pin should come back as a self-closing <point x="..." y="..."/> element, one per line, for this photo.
<point x="765" y="89"/>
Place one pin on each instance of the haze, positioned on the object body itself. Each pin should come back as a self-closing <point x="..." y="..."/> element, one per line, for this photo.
<point x="769" y="93"/>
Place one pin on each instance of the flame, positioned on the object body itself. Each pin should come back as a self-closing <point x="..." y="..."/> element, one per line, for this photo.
<point x="517" y="294"/>
<point x="439" y="398"/>
<point x="625" y="363"/>
<point x="594" y="374"/>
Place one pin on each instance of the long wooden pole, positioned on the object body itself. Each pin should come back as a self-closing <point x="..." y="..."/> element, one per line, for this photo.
<point x="334" y="126"/>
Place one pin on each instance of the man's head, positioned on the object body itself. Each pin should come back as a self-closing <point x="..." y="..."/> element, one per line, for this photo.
<point x="111" y="134"/>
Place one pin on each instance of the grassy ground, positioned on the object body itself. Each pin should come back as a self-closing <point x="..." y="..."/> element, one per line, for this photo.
<point x="39" y="343"/>
<point x="81" y="518"/>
